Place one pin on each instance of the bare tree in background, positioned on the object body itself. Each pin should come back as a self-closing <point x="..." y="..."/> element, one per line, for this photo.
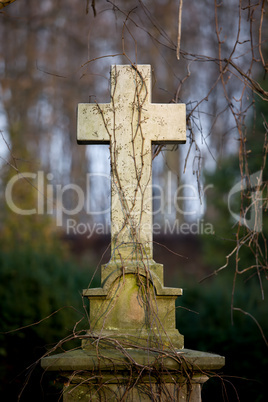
<point x="59" y="55"/>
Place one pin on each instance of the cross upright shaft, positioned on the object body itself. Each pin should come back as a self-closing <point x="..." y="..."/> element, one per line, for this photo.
<point x="130" y="123"/>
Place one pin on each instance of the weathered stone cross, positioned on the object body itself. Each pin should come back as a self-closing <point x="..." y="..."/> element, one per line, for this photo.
<point x="130" y="123"/>
<point x="132" y="349"/>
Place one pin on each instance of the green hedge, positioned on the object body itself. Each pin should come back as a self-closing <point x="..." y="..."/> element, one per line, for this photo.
<point x="34" y="286"/>
<point x="208" y="327"/>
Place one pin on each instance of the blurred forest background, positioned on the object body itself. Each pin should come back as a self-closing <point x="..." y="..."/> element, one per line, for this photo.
<point x="55" y="54"/>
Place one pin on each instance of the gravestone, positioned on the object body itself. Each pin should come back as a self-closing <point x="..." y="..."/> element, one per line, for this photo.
<point x="126" y="306"/>
<point x="132" y="348"/>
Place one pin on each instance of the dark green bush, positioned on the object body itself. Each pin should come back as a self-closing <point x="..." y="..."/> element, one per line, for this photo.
<point x="208" y="327"/>
<point x="34" y="286"/>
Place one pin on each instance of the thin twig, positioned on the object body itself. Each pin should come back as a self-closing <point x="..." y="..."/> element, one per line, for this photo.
<point x="179" y="30"/>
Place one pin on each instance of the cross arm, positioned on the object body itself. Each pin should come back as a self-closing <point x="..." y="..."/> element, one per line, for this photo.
<point x="94" y="123"/>
<point x="167" y="123"/>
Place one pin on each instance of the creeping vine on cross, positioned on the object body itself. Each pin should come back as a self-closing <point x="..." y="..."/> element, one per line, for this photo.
<point x="130" y="123"/>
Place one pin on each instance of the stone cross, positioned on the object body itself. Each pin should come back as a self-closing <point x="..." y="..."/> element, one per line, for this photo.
<point x="130" y="123"/>
<point x="132" y="350"/>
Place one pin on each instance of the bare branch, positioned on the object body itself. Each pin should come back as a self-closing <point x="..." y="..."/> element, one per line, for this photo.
<point x="5" y="3"/>
<point x="179" y="30"/>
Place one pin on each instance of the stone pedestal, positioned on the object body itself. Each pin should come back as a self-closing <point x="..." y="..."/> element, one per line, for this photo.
<point x="117" y="374"/>
<point x="132" y="350"/>
<point x="133" y="306"/>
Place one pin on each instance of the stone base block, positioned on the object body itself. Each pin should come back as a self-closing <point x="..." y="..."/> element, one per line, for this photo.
<point x="132" y="374"/>
<point x="146" y="392"/>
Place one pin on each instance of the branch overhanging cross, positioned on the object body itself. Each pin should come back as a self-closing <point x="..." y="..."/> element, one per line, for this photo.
<point x="130" y="123"/>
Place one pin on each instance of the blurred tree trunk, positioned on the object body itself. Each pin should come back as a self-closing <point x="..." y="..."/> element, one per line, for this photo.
<point x="58" y="55"/>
